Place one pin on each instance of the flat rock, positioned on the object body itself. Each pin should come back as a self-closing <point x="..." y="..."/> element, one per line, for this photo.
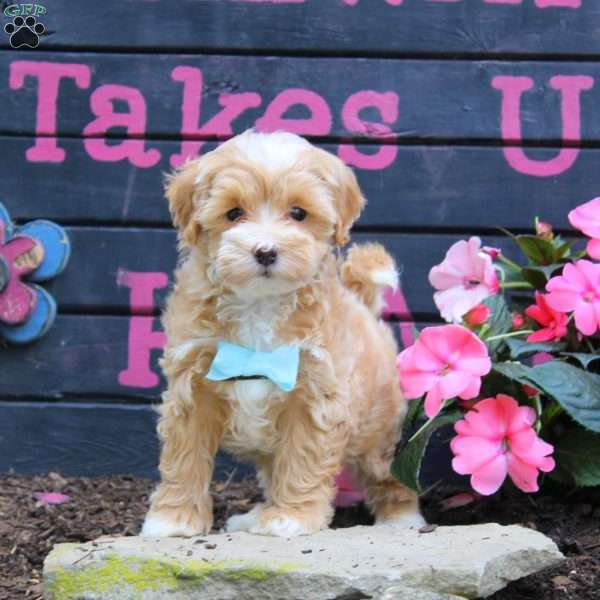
<point x="383" y="562"/>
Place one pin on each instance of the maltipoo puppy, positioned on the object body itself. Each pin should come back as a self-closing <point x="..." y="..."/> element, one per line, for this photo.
<point x="304" y="382"/>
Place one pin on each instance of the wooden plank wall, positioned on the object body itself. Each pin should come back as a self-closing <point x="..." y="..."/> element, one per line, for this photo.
<point x="457" y="115"/>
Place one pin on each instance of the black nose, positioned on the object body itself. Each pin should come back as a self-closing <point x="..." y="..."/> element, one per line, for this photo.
<point x="265" y="257"/>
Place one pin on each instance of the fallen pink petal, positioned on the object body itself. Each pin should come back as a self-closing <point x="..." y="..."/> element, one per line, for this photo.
<point x="52" y="497"/>
<point x="458" y="500"/>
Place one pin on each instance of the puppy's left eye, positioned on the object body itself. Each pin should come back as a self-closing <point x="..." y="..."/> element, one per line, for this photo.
<point x="297" y="213"/>
<point x="235" y="214"/>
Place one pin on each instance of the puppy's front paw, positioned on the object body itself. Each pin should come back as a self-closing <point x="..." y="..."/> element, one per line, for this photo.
<point x="244" y="522"/>
<point x="280" y="523"/>
<point x="168" y="524"/>
<point x="409" y="520"/>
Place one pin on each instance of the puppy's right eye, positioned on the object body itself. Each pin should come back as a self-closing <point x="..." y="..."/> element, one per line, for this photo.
<point x="234" y="214"/>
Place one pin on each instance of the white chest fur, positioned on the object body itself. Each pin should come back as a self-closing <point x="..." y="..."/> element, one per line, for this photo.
<point x="251" y="428"/>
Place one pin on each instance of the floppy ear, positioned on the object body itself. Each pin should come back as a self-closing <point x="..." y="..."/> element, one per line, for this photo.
<point x="180" y="187"/>
<point x="188" y="187"/>
<point x="345" y="192"/>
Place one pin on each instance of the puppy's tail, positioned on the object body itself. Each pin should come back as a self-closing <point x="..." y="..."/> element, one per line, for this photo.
<point x="368" y="270"/>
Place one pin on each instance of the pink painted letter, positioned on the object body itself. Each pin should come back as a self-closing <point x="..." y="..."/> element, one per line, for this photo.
<point x="49" y="75"/>
<point x="570" y="88"/>
<point x="219" y="125"/>
<point x="142" y="337"/>
<point x="134" y="122"/>
<point x="387" y="105"/>
<point x="318" y="123"/>
<point x="396" y="306"/>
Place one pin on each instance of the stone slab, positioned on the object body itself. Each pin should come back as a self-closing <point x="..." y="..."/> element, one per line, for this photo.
<point x="384" y="562"/>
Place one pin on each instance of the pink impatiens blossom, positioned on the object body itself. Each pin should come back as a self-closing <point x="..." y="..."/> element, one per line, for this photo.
<point x="577" y="290"/>
<point x="554" y="322"/>
<point x="496" y="439"/>
<point x="465" y="278"/>
<point x="586" y="218"/>
<point x="445" y="362"/>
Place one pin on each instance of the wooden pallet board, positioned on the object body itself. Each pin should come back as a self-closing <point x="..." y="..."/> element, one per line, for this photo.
<point x="338" y="26"/>
<point x="85" y="439"/>
<point x="113" y="252"/>
<point x="96" y="357"/>
<point x="321" y="97"/>
<point x="425" y="187"/>
<point x="106" y="439"/>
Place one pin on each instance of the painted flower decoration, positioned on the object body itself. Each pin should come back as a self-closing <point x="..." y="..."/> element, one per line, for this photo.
<point x="33" y="253"/>
<point x="445" y="362"/>
<point x="554" y="323"/>
<point x="463" y="279"/>
<point x="497" y="439"/>
<point x="586" y="218"/>
<point x="577" y="290"/>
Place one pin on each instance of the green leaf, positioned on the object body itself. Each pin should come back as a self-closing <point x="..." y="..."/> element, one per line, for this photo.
<point x="514" y="371"/>
<point x="407" y="465"/>
<point x="522" y="349"/>
<point x="539" y="275"/>
<point x="499" y="321"/>
<point x="577" y="455"/>
<point x="537" y="250"/>
<point x="584" y="359"/>
<point x="563" y="249"/>
<point x="577" y="391"/>
<point x="412" y="414"/>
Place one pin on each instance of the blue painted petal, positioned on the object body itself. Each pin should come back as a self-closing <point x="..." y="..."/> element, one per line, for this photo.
<point x="5" y="218"/>
<point x="38" y="323"/>
<point x="57" y="248"/>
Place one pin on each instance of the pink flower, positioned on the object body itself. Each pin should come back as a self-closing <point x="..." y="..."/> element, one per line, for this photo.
<point x="52" y="497"/>
<point x="445" y="362"/>
<point x="586" y="218"/>
<point x="478" y="315"/>
<point x="496" y="439"/>
<point x="464" y="278"/>
<point x="492" y="252"/>
<point x="554" y="323"/>
<point x="578" y="290"/>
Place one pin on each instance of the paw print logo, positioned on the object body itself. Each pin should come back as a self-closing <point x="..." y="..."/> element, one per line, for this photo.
<point x="24" y="32"/>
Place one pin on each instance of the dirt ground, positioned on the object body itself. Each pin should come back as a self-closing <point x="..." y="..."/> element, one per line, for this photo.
<point x="116" y="506"/>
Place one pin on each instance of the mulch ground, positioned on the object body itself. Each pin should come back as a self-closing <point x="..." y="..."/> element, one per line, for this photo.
<point x="116" y="506"/>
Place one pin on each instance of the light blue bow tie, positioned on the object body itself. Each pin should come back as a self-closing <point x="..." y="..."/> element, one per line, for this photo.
<point x="232" y="361"/>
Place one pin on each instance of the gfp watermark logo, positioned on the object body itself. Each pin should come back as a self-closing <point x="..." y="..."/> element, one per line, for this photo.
<point x="25" y="28"/>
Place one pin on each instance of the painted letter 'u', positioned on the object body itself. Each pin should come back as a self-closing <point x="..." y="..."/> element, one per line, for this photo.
<point x="570" y="88"/>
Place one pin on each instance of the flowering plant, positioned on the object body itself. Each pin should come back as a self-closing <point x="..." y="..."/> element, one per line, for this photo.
<point x="516" y="372"/>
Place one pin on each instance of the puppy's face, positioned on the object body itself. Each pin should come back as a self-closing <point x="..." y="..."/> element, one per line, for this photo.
<point x="265" y="209"/>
